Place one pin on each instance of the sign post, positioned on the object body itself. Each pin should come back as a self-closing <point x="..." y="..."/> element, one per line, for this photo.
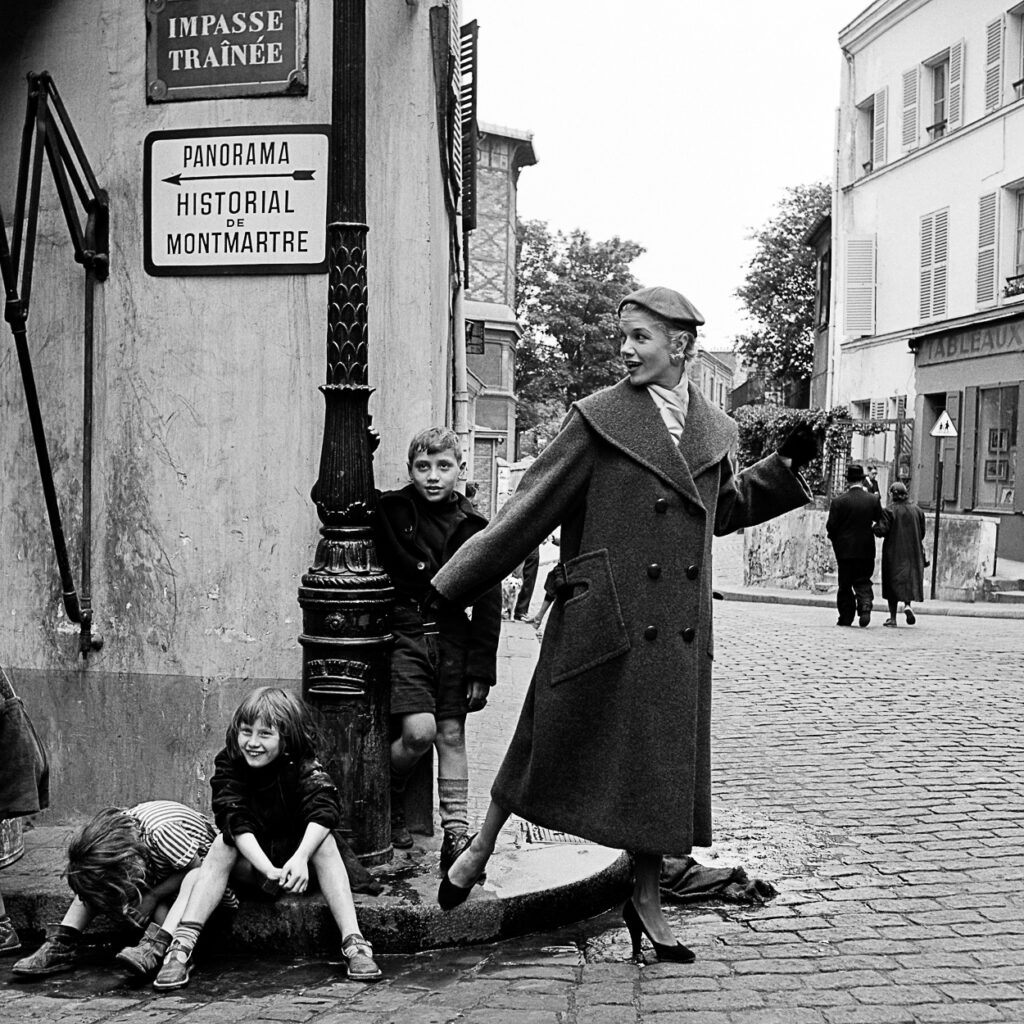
<point x="942" y="429"/>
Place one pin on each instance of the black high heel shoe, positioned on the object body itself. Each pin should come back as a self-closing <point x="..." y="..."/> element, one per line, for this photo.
<point x="678" y="953"/>
<point x="450" y="895"/>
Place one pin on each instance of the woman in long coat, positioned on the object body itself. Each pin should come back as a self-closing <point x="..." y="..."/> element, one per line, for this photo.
<point x="902" y="554"/>
<point x="613" y="741"/>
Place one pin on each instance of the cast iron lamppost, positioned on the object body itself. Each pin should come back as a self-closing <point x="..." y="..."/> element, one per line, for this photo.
<point x="346" y="596"/>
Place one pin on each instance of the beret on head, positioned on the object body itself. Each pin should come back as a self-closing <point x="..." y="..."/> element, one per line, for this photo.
<point x="854" y="473"/>
<point x="668" y="304"/>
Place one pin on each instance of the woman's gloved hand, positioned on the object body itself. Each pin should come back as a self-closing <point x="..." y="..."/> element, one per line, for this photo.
<point x="800" y="446"/>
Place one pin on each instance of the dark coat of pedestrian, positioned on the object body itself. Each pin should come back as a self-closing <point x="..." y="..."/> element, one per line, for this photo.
<point x="613" y="742"/>
<point x="903" y="559"/>
<point x="851" y="517"/>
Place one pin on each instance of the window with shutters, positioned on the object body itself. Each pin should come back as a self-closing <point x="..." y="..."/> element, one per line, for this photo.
<point x="994" y="64"/>
<point x="859" y="296"/>
<point x="911" y="95"/>
<point x="872" y="131"/>
<point x="934" y="261"/>
<point x="1014" y="48"/>
<point x="944" y="74"/>
<point x="878" y="408"/>
<point x="938" y="74"/>
<point x="1014" y="285"/>
<point x="988" y="207"/>
<point x="901" y="406"/>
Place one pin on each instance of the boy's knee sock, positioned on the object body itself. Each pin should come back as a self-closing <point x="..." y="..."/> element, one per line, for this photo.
<point x="453" y="803"/>
<point x="186" y="934"/>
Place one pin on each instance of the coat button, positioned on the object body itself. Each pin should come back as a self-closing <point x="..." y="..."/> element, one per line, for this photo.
<point x="651" y="633"/>
<point x="688" y="634"/>
<point x="654" y="570"/>
<point x="407" y="529"/>
<point x="421" y="565"/>
<point x="692" y="572"/>
<point x="661" y="506"/>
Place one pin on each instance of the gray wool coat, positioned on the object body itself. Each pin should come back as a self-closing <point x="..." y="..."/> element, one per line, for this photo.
<point x="613" y="741"/>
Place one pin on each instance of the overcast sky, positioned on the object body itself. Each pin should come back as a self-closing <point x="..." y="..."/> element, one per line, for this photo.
<point x="675" y="123"/>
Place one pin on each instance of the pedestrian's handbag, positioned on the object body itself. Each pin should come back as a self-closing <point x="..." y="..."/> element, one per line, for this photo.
<point x="24" y="767"/>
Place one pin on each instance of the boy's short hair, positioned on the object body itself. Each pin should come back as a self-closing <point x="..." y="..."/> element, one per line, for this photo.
<point x="434" y="440"/>
<point x="107" y="862"/>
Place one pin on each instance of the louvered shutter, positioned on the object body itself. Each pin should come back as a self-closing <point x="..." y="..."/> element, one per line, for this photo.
<point x="877" y="409"/>
<point x="859" y="300"/>
<point x="468" y="68"/>
<point x="940" y="257"/>
<point x="955" y="112"/>
<point x="988" y="206"/>
<point x="994" y="63"/>
<point x="455" y="98"/>
<point x="927" y="248"/>
<point x="911" y="93"/>
<point x="901" y="406"/>
<point x="878" y="142"/>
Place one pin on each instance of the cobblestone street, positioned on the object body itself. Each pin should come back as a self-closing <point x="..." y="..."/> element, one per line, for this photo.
<point x="875" y="776"/>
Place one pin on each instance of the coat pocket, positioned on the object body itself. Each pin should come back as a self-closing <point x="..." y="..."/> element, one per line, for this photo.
<point x="592" y="628"/>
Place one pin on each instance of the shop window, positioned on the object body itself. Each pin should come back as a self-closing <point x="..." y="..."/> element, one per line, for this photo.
<point x="996" y="447"/>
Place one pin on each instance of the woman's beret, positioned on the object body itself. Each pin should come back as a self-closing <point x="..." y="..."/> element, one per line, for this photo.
<point x="668" y="304"/>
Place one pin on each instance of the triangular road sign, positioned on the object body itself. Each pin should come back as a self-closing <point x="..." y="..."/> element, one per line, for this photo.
<point x="944" y="427"/>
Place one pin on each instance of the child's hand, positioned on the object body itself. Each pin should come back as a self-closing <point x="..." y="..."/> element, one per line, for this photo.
<point x="295" y="874"/>
<point x="476" y="694"/>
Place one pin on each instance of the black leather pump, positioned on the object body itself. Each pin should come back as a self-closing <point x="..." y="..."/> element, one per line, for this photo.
<point x="450" y="895"/>
<point x="678" y="953"/>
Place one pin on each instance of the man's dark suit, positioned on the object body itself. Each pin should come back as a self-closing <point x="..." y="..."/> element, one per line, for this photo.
<point x="850" y="518"/>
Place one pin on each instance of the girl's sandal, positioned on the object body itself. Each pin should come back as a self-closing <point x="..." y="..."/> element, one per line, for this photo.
<point x="359" y="962"/>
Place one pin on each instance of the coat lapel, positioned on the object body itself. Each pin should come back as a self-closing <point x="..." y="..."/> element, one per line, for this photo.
<point x="708" y="435"/>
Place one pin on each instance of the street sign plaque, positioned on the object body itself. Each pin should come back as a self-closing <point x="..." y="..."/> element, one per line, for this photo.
<point x="213" y="49"/>
<point x="943" y="426"/>
<point x="236" y="200"/>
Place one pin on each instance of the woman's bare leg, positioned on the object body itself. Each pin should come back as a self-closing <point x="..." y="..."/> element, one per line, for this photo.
<point x="471" y="862"/>
<point x="647" y="897"/>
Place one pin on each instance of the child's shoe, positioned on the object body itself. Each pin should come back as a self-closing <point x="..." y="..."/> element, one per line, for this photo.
<point x="451" y="846"/>
<point x="145" y="958"/>
<point x="176" y="970"/>
<point x="401" y="837"/>
<point x="9" y="941"/>
<point x="58" y="953"/>
<point x="359" y="962"/>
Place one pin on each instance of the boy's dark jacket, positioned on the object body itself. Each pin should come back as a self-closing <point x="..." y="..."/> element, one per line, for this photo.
<point x="411" y="566"/>
<point x="276" y="804"/>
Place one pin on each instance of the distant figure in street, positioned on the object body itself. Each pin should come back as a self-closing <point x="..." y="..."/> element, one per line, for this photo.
<point x="442" y="665"/>
<point x="613" y="742"/>
<point x="903" y="560"/>
<point x="278" y="814"/>
<point x="129" y="865"/>
<point x="851" y="517"/>
<point x="871" y="481"/>
<point x="530" y="566"/>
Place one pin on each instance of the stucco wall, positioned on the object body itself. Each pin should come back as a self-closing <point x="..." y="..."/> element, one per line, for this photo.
<point x="208" y="417"/>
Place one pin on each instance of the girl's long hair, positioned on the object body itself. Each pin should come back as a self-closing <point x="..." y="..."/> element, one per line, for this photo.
<point x="107" y="862"/>
<point x="293" y="718"/>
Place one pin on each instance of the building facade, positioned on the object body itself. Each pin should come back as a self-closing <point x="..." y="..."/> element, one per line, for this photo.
<point x="928" y="238"/>
<point x="208" y="417"/>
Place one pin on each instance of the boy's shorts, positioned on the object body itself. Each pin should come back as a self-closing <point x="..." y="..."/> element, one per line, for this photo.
<point x="428" y="671"/>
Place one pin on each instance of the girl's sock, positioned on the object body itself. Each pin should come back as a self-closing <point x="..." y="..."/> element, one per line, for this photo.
<point x="453" y="803"/>
<point x="186" y="934"/>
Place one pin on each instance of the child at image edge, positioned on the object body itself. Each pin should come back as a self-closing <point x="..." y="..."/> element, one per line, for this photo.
<point x="443" y="664"/>
<point x="276" y="809"/>
<point x="127" y="864"/>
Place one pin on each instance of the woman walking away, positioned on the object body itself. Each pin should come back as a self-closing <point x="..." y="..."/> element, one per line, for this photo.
<point x="613" y="741"/>
<point x="903" y="560"/>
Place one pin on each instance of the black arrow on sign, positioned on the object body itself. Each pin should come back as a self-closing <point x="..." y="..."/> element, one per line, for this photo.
<point x="177" y="179"/>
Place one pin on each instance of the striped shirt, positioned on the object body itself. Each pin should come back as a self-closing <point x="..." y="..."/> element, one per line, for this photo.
<point x="175" y="836"/>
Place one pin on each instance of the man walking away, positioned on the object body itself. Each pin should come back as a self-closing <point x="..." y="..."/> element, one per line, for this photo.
<point x="850" y="518"/>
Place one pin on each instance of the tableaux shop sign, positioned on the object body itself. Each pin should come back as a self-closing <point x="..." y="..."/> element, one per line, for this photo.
<point x="985" y="341"/>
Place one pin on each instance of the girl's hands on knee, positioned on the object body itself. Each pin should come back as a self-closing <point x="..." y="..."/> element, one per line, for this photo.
<point x="295" y="874"/>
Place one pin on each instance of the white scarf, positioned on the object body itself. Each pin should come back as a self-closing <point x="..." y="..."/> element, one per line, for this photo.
<point x="673" y="404"/>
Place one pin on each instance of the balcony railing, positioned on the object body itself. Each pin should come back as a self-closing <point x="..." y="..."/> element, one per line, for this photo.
<point x="937" y="130"/>
<point x="1014" y="286"/>
<point x="1018" y="88"/>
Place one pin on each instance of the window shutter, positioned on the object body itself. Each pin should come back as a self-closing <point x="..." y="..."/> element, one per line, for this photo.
<point x="911" y="91"/>
<point x="955" y="113"/>
<point x="927" y="248"/>
<point x="859" y="313"/>
<point x="939" y="263"/>
<point x="994" y="63"/>
<point x="901" y="406"/>
<point x="878" y="143"/>
<point x="877" y="409"/>
<point x="950" y="448"/>
<point x="468" y="67"/>
<point x="987" y="209"/>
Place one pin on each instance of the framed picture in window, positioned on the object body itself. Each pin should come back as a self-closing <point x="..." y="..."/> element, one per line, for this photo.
<point x="1002" y="470"/>
<point x="998" y="439"/>
<point x="1007" y="498"/>
<point x="991" y="468"/>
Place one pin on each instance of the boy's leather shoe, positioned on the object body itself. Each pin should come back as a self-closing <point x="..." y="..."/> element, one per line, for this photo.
<point x="52" y="957"/>
<point x="359" y="962"/>
<point x="451" y="846"/>
<point x="9" y="941"/>
<point x="145" y="958"/>
<point x="176" y="970"/>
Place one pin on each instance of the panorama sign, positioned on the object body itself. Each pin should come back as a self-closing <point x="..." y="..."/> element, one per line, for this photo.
<point x="203" y="49"/>
<point x="236" y="201"/>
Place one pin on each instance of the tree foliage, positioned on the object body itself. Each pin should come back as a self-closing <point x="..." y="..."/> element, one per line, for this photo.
<point x="779" y="288"/>
<point x="567" y="290"/>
